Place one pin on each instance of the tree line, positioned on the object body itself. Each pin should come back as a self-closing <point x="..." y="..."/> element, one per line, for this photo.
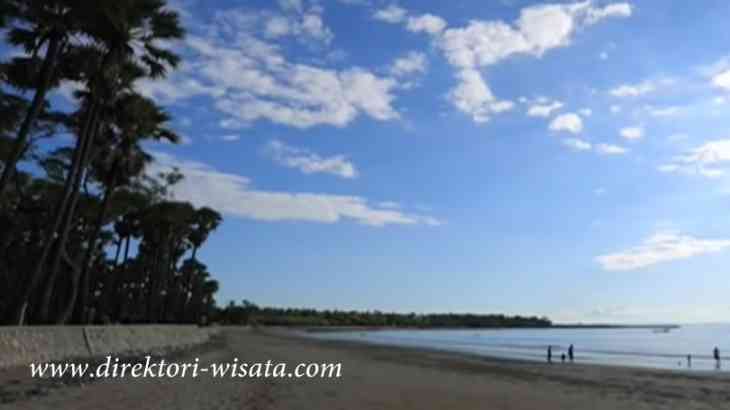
<point x="87" y="235"/>
<point x="248" y="313"/>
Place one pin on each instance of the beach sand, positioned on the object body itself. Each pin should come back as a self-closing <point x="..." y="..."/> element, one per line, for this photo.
<point x="377" y="377"/>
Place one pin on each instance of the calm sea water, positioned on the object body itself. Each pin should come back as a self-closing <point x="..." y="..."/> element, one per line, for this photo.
<point x="624" y="347"/>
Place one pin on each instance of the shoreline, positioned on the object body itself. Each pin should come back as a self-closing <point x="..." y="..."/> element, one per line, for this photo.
<point x="329" y="329"/>
<point x="364" y="344"/>
<point x="559" y="386"/>
<point x="557" y="350"/>
<point x="389" y="378"/>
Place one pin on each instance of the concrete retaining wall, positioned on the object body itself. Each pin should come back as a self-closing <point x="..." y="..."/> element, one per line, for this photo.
<point x="23" y="345"/>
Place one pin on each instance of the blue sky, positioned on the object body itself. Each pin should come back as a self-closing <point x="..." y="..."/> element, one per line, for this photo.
<point x="566" y="159"/>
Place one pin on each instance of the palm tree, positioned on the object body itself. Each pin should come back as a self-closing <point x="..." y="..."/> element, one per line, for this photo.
<point x="206" y="221"/>
<point x="210" y="287"/>
<point x="124" y="33"/>
<point x="11" y="112"/>
<point x="135" y="118"/>
<point x="166" y="226"/>
<point x="41" y="26"/>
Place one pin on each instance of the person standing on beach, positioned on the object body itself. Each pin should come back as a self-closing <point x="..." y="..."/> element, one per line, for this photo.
<point x="689" y="361"/>
<point x="716" y="354"/>
<point x="570" y="353"/>
<point x="550" y="354"/>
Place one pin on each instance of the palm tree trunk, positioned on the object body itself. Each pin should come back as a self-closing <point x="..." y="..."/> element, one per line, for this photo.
<point x="117" y="253"/>
<point x="152" y="284"/>
<point x="65" y="314"/>
<point x="50" y="286"/>
<point x="126" y="250"/>
<point x="70" y="187"/>
<point x="60" y="251"/>
<point x="119" y="304"/>
<point x="88" y="257"/>
<point x="19" y="145"/>
<point x="70" y="303"/>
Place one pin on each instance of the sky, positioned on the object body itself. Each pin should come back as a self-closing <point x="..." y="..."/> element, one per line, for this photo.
<point x="567" y="159"/>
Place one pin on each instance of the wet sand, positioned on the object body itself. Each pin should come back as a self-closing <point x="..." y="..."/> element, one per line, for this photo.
<point x="376" y="377"/>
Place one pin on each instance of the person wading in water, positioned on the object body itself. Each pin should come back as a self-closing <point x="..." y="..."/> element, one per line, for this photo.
<point x="570" y="353"/>
<point x="550" y="354"/>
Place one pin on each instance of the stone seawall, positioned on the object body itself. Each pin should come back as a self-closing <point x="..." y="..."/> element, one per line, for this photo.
<point x="23" y="345"/>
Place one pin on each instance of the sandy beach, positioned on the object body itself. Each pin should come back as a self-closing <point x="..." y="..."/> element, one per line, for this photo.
<point x="376" y="377"/>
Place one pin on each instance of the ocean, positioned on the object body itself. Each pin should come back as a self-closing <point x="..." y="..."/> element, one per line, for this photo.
<point x="636" y="347"/>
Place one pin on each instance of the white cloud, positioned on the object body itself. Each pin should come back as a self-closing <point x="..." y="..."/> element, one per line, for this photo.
<point x="611" y="10"/>
<point x="715" y="68"/>
<point x="711" y="152"/>
<point x="663" y="111"/>
<point x="609" y="149"/>
<point x="709" y="160"/>
<point x="390" y="205"/>
<point x="426" y="23"/>
<point x="615" y="109"/>
<point x="677" y="137"/>
<point x="538" y="29"/>
<point x="231" y="124"/>
<point x="250" y="79"/>
<point x="719" y="100"/>
<point x="310" y="96"/>
<point x="722" y="80"/>
<point x="413" y="62"/>
<point x="234" y="195"/>
<point x="633" y="90"/>
<point x="292" y="5"/>
<point x="632" y="133"/>
<point x="474" y="97"/>
<point x="668" y="168"/>
<point x="231" y="137"/>
<point x="309" y="162"/>
<point x="259" y="83"/>
<point x="577" y="144"/>
<point x="603" y="55"/>
<point x="569" y="122"/>
<point x="391" y="14"/>
<point x="313" y="26"/>
<point x="305" y="25"/>
<point x="691" y="170"/>
<point x="599" y="191"/>
<point x="544" y="110"/>
<point x="659" y="248"/>
<point x="67" y="89"/>
<point x="277" y="26"/>
<point x="586" y="112"/>
<point x="355" y="2"/>
<point x="178" y="86"/>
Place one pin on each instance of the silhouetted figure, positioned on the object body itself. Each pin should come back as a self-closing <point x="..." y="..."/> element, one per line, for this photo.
<point x="570" y="353"/>
<point x="689" y="361"/>
<point x="562" y="357"/>
<point x="716" y="354"/>
<point x="550" y="354"/>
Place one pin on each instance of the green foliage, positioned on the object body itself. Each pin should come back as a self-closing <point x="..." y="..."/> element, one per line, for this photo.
<point x="89" y="235"/>
<point x="249" y="313"/>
